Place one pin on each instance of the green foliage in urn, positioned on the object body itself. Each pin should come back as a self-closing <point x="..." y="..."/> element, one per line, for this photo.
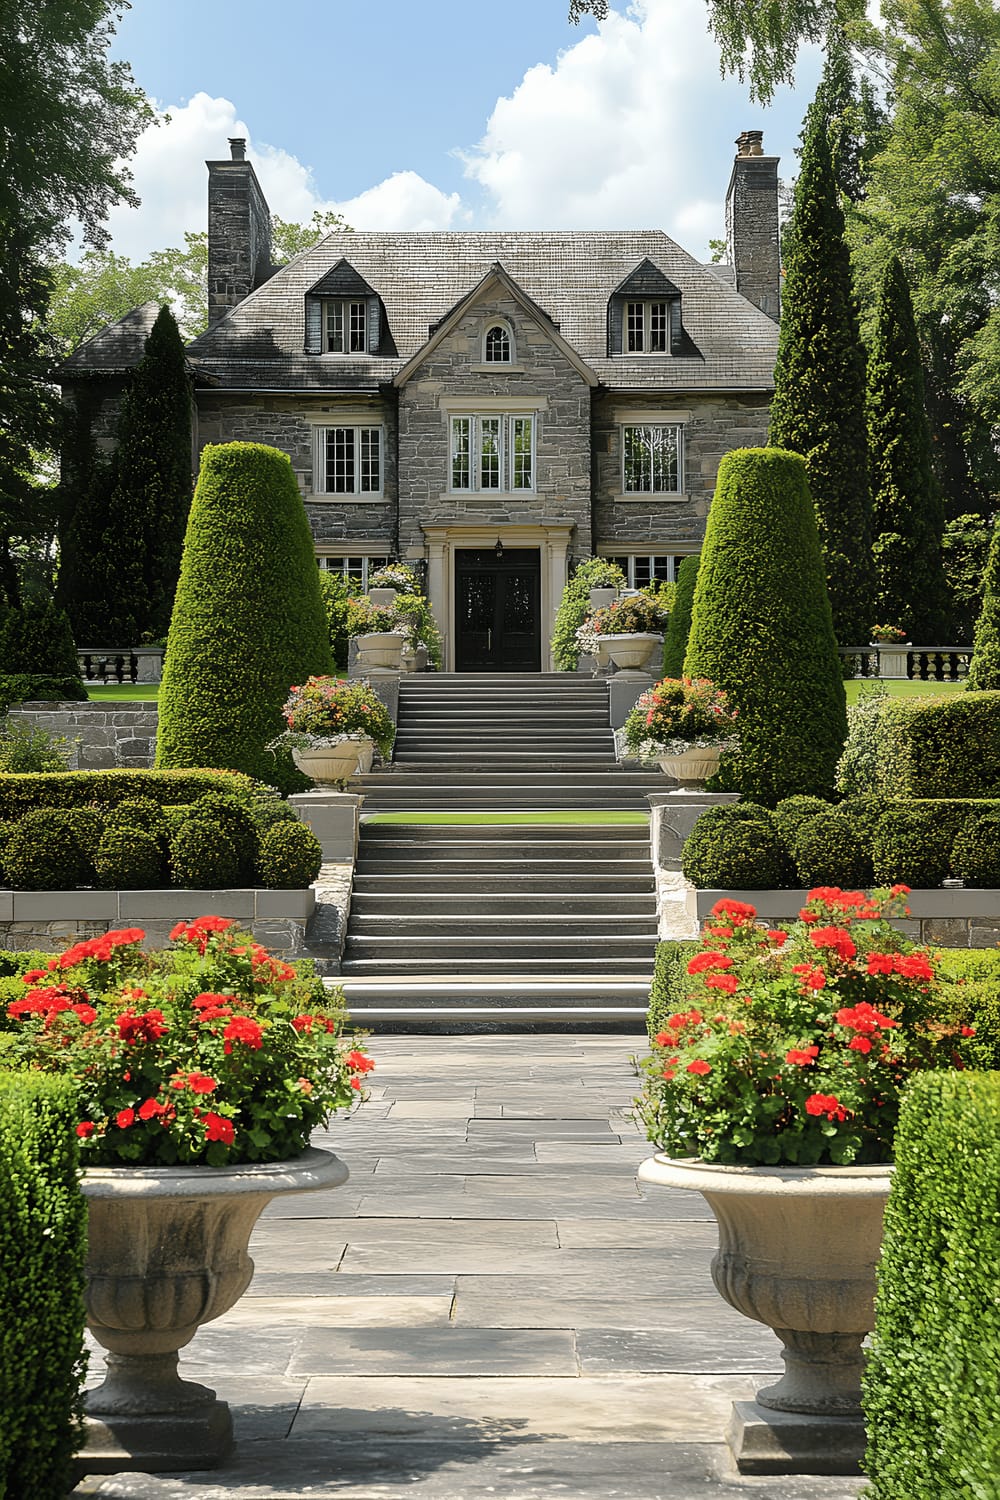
<point x="677" y="713"/>
<point x="636" y="614"/>
<point x="907" y="511"/>
<point x="818" y="409"/>
<point x="43" y="1242"/>
<point x="212" y="1052"/>
<point x="984" y="668"/>
<point x="679" y="624"/>
<point x="794" y="1046"/>
<point x="931" y="1397"/>
<point x="248" y="620"/>
<point x="761" y="626"/>
<point x="327" y="710"/>
<point x="592" y="573"/>
<point x="394" y="575"/>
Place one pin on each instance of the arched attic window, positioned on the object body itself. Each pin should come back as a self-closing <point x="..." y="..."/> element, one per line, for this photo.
<point x="498" y="344"/>
<point x="644" y="314"/>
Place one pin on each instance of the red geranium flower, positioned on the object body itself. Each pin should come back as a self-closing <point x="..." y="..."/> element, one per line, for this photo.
<point x="218" y="1128"/>
<point x="699" y="1065"/>
<point x="242" y="1029"/>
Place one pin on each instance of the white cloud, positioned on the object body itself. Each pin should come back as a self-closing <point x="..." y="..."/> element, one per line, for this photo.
<point x="403" y="201"/>
<point x="632" y="126"/>
<point x="170" y="178"/>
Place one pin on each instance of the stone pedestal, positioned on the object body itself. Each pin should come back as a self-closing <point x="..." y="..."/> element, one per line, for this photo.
<point x="672" y="817"/>
<point x="624" y="693"/>
<point x="148" y="663"/>
<point x="764" y="1441"/>
<point x="333" y="818"/>
<point x="892" y="660"/>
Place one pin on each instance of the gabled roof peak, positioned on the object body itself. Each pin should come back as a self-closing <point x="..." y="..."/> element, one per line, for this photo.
<point x="342" y="280"/>
<point x="647" y="280"/>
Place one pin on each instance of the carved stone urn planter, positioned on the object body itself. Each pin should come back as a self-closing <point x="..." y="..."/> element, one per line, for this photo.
<point x="692" y="767"/>
<point x="630" y="652"/>
<point x="379" y="652"/>
<point x="797" y="1250"/>
<point x="329" y="765"/>
<point x="167" y="1252"/>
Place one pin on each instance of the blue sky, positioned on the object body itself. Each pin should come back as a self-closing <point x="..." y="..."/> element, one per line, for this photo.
<point x="449" y="114"/>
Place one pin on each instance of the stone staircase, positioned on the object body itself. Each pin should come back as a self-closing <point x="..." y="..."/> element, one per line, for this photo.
<point x="476" y="926"/>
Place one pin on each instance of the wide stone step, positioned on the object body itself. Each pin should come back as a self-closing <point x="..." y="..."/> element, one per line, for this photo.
<point x="485" y="995"/>
<point x="406" y="947"/>
<point x="638" y="966"/>
<point x="459" y="907"/>
<point x="499" y="833"/>
<point x="390" y="883"/>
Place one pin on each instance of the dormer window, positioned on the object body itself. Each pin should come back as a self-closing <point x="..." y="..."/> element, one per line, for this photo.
<point x="345" y="316"/>
<point x="496" y="345"/>
<point x="647" y="328"/>
<point x="345" y="327"/>
<point x="644" y="315"/>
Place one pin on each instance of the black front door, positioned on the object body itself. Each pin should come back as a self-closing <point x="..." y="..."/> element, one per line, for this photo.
<point x="497" y="611"/>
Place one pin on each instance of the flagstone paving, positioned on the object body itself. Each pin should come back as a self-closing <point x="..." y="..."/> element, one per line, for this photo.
<point x="488" y="1308"/>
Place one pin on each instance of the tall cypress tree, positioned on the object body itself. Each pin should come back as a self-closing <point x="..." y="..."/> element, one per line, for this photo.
<point x="984" y="668"/>
<point x="819" y="397"/>
<point x="125" y="519"/>
<point x="152" y="491"/>
<point x="907" y="513"/>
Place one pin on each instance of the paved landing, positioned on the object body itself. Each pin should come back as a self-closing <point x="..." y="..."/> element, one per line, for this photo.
<point x="488" y="1308"/>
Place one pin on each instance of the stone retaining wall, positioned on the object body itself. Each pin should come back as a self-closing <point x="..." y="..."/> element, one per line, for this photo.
<point x="102" y="736"/>
<point x="950" y="917"/>
<point x="52" y="920"/>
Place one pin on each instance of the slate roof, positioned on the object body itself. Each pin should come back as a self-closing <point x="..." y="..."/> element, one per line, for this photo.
<point x="420" y="277"/>
<point x="117" y="348"/>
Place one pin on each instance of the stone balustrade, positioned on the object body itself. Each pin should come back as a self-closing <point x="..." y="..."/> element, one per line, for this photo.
<point x="897" y="661"/>
<point x="124" y="664"/>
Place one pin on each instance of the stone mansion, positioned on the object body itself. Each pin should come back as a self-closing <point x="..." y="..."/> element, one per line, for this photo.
<point x="487" y="405"/>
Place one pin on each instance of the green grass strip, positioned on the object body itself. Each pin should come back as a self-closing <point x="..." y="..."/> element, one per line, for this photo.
<point x="117" y="692"/>
<point x="559" y="815"/>
<point x="903" y="688"/>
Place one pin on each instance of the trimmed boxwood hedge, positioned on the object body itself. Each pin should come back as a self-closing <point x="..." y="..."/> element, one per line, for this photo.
<point x="248" y="620"/>
<point x="761" y="626"/>
<point x="666" y="993"/>
<point x="43" y="1241"/>
<point x="967" y="983"/>
<point x="911" y="847"/>
<point x="827" y="851"/>
<point x="924" y="746"/>
<point x="675" y="639"/>
<point x="932" y="1383"/>
<point x="290" y="857"/>
<point x="23" y="793"/>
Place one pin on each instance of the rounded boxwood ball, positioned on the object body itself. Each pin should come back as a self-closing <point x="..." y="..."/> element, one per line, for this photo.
<point x="129" y="859"/>
<point x="910" y="848"/>
<point x="975" y="854"/>
<point x="290" y="857"/>
<point x="43" y="853"/>
<point x="728" y="849"/>
<point x="829" y="851"/>
<point x="202" y="855"/>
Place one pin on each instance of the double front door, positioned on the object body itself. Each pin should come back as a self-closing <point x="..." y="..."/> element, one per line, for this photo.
<point x="497" y="610"/>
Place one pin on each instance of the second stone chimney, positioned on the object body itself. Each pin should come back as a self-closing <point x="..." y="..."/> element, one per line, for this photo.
<point x="239" y="231"/>
<point x="752" y="224"/>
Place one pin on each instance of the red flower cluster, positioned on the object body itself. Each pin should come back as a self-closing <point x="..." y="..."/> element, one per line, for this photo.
<point x="838" y="939"/>
<point x="244" y="1030"/>
<point x="826" y="1104"/>
<point x="148" y="1027"/>
<point x="199" y="931"/>
<point x="812" y="977"/>
<point x="908" y="965"/>
<point x="102" y="949"/>
<point x="704" y="961"/>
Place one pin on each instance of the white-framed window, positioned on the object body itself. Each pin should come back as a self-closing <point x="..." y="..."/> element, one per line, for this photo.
<point x="652" y="459"/>
<point x="497" y="345"/>
<point x="345" y="326"/>
<point x="641" y="568"/>
<point x="493" y="451"/>
<point x="647" y="328"/>
<point x="348" y="461"/>
<point x="356" y="566"/>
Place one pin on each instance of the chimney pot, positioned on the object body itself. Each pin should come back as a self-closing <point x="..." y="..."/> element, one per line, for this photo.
<point x="750" y="143"/>
<point x="238" y="147"/>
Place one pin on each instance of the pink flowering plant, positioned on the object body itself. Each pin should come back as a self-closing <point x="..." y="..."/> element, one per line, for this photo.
<point x="210" y="1053"/>
<point x="679" y="712"/>
<point x="889" y="635"/>
<point x="793" y="1047"/>
<point x="327" y="710"/>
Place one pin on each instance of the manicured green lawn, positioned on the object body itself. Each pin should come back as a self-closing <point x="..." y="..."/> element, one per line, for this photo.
<point x="132" y="692"/>
<point x="558" y="815"/>
<point x="903" y="689"/>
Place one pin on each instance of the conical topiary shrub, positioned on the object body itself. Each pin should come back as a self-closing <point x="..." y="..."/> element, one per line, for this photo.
<point x="679" y="624"/>
<point x="762" y="629"/>
<point x="248" y="621"/>
<point x="984" y="668"/>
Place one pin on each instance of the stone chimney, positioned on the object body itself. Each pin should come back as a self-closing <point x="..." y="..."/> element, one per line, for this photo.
<point x="752" y="224"/>
<point x="239" y="231"/>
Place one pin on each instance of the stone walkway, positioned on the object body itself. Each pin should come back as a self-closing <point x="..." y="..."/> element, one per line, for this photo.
<point x="487" y="1308"/>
